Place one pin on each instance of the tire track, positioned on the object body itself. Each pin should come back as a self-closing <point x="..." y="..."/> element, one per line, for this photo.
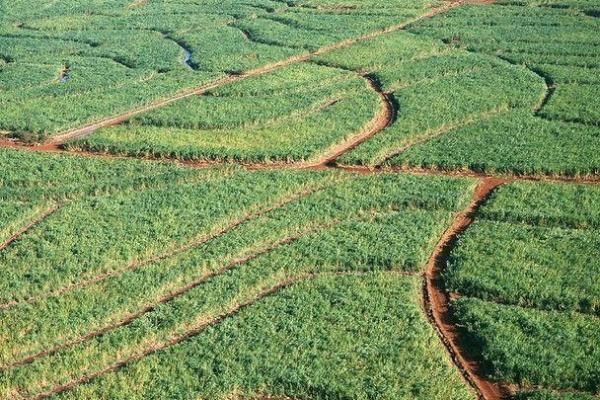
<point x="171" y="296"/>
<point x="161" y="257"/>
<point x="436" y="299"/>
<point x="199" y="327"/>
<point x="384" y="118"/>
<point x="364" y="170"/>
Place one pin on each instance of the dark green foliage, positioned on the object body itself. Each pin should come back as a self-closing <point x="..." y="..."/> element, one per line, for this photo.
<point x="526" y="273"/>
<point x="548" y="395"/>
<point x="549" y="268"/>
<point x="555" y="204"/>
<point x="514" y="142"/>
<point x="121" y="54"/>
<point x="532" y="347"/>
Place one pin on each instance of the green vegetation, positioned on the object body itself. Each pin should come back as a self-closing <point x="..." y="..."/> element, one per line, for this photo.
<point x="550" y="268"/>
<point x="561" y="104"/>
<point x="526" y="274"/>
<point x="179" y="262"/>
<point x="64" y="65"/>
<point x="345" y="330"/>
<point x="131" y="279"/>
<point x="546" y="395"/>
<point x="492" y="128"/>
<point x="560" y="205"/>
<point x="556" y="43"/>
<point x="436" y="89"/>
<point x="293" y="114"/>
<point x="531" y="347"/>
<point x="516" y="142"/>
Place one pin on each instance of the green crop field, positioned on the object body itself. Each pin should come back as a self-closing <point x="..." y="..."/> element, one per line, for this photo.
<point x="300" y="199"/>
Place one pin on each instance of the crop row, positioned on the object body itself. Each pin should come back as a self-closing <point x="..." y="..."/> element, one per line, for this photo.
<point x="119" y="56"/>
<point x="526" y="276"/>
<point x="336" y="337"/>
<point x="437" y="89"/>
<point x="292" y="114"/>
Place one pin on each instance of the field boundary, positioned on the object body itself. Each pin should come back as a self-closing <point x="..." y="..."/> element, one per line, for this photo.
<point x="437" y="300"/>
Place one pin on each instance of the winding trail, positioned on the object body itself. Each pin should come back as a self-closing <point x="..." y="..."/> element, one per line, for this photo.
<point x="592" y="179"/>
<point x="437" y="300"/>
<point x="383" y="119"/>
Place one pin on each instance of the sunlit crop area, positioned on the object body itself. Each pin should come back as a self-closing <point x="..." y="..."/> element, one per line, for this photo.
<point x="300" y="200"/>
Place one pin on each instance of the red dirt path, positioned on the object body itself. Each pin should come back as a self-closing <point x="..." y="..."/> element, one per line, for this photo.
<point x="437" y="300"/>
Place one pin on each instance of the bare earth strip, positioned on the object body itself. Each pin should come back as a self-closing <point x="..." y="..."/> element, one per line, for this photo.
<point x="437" y="300"/>
<point x="382" y="120"/>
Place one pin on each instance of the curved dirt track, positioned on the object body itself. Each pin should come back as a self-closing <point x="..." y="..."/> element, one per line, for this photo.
<point x="383" y="119"/>
<point x="437" y="300"/>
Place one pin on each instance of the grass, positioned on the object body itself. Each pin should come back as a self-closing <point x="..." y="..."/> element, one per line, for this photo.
<point x="180" y="262"/>
<point x="549" y="268"/>
<point x="548" y="395"/>
<point x="554" y="205"/>
<point x="516" y="142"/>
<point x="555" y="43"/>
<point x="132" y="279"/>
<point x="525" y="278"/>
<point x="320" y="108"/>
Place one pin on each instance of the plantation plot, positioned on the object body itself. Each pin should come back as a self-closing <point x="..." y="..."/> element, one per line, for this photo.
<point x="515" y="142"/>
<point x="559" y="44"/>
<point x="293" y="114"/>
<point x="528" y="272"/>
<point x="64" y="66"/>
<point x="82" y="298"/>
